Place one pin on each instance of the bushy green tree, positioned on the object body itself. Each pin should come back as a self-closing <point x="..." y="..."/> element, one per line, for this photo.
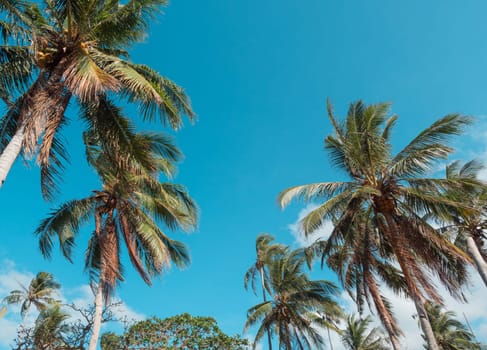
<point x="177" y="332"/>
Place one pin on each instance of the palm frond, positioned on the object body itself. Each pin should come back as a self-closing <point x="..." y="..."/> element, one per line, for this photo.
<point x="418" y="156"/>
<point x="85" y="79"/>
<point x="64" y="222"/>
<point x="123" y="24"/>
<point x="311" y="191"/>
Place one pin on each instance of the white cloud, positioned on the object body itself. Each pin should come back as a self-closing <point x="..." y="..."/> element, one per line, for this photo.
<point x="82" y="296"/>
<point x="12" y="279"/>
<point x="296" y="229"/>
<point x="8" y="333"/>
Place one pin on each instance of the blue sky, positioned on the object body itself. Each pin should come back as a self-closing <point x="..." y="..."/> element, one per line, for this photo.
<point x="258" y="74"/>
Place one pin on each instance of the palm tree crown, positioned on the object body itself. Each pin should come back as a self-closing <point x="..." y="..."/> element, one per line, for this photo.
<point x="298" y="307"/>
<point x="467" y="227"/>
<point x="40" y="293"/>
<point x="265" y="252"/>
<point x="395" y="194"/>
<point x="357" y="336"/>
<point x="129" y="204"/>
<point x="60" y="49"/>
<point x="449" y="332"/>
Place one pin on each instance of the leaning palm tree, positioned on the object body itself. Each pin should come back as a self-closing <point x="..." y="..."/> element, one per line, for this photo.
<point x="396" y="193"/>
<point x="298" y="309"/>
<point x="40" y="293"/>
<point x="126" y="209"/>
<point x="467" y="228"/>
<point x="357" y="336"/>
<point x="265" y="252"/>
<point x="449" y="332"/>
<point x="59" y="51"/>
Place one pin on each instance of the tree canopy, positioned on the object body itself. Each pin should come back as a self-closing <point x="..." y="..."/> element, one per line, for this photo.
<point x="177" y="332"/>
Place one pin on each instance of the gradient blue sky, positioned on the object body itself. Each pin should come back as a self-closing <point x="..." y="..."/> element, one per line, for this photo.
<point x="258" y="73"/>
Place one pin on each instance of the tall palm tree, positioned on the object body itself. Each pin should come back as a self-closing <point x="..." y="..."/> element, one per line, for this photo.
<point x="61" y="50"/>
<point x="468" y="227"/>
<point x="126" y="209"/>
<point x="450" y="333"/>
<point x="356" y="259"/>
<point x="357" y="336"/>
<point x="265" y="252"/>
<point x="40" y="293"/>
<point x="396" y="193"/>
<point x="298" y="307"/>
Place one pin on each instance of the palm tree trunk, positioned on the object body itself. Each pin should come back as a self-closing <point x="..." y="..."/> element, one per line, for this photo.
<point x="425" y="324"/>
<point x="24" y="319"/>
<point x="53" y="101"/>
<point x="329" y="338"/>
<point x="382" y="310"/>
<point x="413" y="289"/>
<point x="473" y="251"/>
<point x="10" y="154"/>
<point x="261" y="270"/>
<point x="97" y="317"/>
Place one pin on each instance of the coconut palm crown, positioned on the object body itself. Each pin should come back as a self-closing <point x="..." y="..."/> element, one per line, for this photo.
<point x="466" y="227"/>
<point x="299" y="309"/>
<point x="57" y="50"/>
<point x="450" y="333"/>
<point x="130" y="203"/>
<point x="397" y="193"/>
<point x="357" y="335"/>
<point x="40" y="293"/>
<point x="265" y="251"/>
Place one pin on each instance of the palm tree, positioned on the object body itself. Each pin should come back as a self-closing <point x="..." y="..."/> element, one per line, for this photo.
<point x="298" y="307"/>
<point x="50" y="329"/>
<point x="39" y="293"/>
<point x="265" y="252"/>
<point x="126" y="209"/>
<point x="468" y="227"/>
<point x="355" y="258"/>
<point x="56" y="51"/>
<point x="449" y="332"/>
<point x="395" y="193"/>
<point x="357" y="336"/>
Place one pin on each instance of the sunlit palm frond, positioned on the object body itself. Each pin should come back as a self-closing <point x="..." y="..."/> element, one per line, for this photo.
<point x="312" y="191"/>
<point x="175" y="100"/>
<point x="420" y="154"/>
<point x="85" y="79"/>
